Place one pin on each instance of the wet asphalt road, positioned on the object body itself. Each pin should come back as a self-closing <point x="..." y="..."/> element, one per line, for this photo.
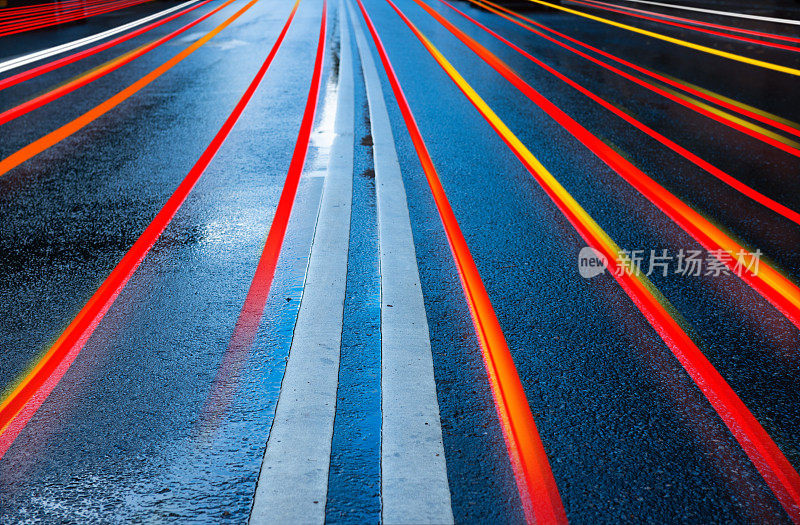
<point x="135" y="431"/>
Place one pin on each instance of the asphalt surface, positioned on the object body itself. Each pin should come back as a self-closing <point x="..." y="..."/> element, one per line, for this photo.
<point x="138" y="429"/>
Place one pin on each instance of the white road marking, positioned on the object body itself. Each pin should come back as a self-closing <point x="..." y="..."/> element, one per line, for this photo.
<point x="724" y="13"/>
<point x="414" y="487"/>
<point x="55" y="50"/>
<point x="293" y="483"/>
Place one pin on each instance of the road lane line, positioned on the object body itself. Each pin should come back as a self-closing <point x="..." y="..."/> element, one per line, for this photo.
<point x="767" y="281"/>
<point x="229" y="384"/>
<point x="38" y="146"/>
<point x="704" y="24"/>
<point x="414" y="487"/>
<point x="20" y="405"/>
<point x="754" y="440"/>
<point x="537" y="487"/>
<point x="688" y="155"/>
<point x="684" y="43"/>
<point x="61" y="62"/>
<point x="690" y="27"/>
<point x="98" y="72"/>
<point x="14" y="63"/>
<point x="724" y="13"/>
<point x="717" y="115"/>
<point x="293" y="482"/>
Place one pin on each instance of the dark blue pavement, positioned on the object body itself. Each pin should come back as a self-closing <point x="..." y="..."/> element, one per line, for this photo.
<point x="128" y="435"/>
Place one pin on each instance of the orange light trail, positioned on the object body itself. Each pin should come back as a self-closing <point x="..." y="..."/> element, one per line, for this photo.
<point x="537" y="487"/>
<point x="688" y="155"/>
<point x="12" y="12"/>
<point x="677" y="41"/>
<point x="704" y="24"/>
<point x="718" y="116"/>
<point x="759" y="446"/>
<point x="768" y="282"/>
<point x="20" y="405"/>
<point x="246" y="328"/>
<point x="54" y="137"/>
<point x="692" y="28"/>
<point x="69" y="59"/>
<point x="41" y="22"/>
<point x="94" y="74"/>
<point x="32" y="12"/>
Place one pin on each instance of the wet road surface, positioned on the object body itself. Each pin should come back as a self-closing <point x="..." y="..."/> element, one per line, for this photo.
<point x="666" y="395"/>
